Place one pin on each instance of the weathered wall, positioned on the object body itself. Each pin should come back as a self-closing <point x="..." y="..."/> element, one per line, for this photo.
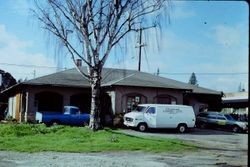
<point x="148" y="94"/>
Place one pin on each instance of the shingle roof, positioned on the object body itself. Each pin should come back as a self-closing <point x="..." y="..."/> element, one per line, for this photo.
<point x="116" y="77"/>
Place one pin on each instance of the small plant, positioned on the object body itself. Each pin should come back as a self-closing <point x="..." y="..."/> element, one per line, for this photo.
<point x="10" y="119"/>
<point x="114" y="139"/>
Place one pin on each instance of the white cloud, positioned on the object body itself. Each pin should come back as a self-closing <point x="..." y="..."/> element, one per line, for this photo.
<point x="10" y="41"/>
<point x="180" y="55"/>
<point x="15" y="51"/>
<point x="180" y="12"/>
<point x="227" y="35"/>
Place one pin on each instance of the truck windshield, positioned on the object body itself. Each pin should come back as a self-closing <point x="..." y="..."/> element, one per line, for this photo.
<point x="140" y="108"/>
<point x="74" y="111"/>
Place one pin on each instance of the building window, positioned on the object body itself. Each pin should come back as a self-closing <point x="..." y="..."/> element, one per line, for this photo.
<point x="132" y="102"/>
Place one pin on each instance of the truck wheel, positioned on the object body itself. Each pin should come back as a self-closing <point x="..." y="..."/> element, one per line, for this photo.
<point x="55" y="123"/>
<point x="86" y="124"/>
<point x="142" y="127"/>
<point x="182" y="128"/>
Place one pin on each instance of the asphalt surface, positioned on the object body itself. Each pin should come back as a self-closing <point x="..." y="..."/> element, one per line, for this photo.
<point x="217" y="148"/>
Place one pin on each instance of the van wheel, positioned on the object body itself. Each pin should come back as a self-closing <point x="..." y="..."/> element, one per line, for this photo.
<point x="142" y="127"/>
<point x="182" y="128"/>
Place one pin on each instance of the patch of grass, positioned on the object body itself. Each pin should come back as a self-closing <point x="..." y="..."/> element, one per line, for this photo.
<point x="36" y="138"/>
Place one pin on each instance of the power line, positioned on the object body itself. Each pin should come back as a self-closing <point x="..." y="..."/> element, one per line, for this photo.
<point x="30" y="66"/>
<point x="209" y="73"/>
<point x="164" y="73"/>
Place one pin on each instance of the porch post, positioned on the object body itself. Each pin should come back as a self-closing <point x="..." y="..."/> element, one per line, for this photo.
<point x="112" y="97"/>
<point x="26" y="108"/>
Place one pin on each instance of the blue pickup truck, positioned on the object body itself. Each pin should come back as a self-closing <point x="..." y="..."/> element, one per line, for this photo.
<point x="70" y="116"/>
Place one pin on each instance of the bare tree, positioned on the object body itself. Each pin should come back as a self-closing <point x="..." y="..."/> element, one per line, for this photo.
<point x="89" y="29"/>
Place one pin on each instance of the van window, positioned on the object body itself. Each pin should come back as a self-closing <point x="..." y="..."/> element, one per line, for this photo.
<point x="151" y="110"/>
<point x="140" y="108"/>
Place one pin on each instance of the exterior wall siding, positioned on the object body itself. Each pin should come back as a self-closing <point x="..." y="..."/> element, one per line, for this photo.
<point x="14" y="106"/>
<point x="197" y="106"/>
<point x="148" y="93"/>
<point x="118" y="96"/>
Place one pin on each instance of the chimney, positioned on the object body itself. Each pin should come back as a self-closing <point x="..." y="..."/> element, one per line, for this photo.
<point x="78" y="62"/>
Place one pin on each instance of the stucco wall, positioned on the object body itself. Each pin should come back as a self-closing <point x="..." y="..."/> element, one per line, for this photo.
<point x="118" y="97"/>
<point x="197" y="106"/>
<point x="149" y="93"/>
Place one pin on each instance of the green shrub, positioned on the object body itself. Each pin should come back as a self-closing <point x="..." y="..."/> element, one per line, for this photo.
<point x="21" y="130"/>
<point x="16" y="130"/>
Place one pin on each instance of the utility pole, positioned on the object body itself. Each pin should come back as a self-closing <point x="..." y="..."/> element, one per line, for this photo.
<point x="141" y="44"/>
<point x="34" y="74"/>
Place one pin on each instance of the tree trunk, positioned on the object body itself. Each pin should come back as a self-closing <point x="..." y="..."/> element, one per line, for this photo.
<point x="94" y="123"/>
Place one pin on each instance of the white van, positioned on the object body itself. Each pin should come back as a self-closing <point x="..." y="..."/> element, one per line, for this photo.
<point x="146" y="116"/>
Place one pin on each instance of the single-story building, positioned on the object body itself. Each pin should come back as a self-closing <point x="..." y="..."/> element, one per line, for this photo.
<point x="235" y="100"/>
<point x="121" y="90"/>
<point x="235" y="103"/>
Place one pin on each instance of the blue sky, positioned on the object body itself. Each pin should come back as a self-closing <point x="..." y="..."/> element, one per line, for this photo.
<point x="208" y="38"/>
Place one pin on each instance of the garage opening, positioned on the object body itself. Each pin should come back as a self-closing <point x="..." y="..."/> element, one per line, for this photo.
<point x="106" y="114"/>
<point x="49" y="101"/>
<point x="165" y="99"/>
<point x="81" y="100"/>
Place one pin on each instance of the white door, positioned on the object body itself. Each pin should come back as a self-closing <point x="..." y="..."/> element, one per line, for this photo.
<point x="150" y="117"/>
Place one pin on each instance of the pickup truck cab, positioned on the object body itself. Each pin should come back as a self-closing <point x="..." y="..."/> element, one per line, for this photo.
<point x="70" y="116"/>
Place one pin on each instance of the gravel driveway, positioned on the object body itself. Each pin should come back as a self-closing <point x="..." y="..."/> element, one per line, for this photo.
<point x="218" y="148"/>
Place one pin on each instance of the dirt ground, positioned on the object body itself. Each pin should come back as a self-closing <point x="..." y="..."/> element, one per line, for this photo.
<point x="222" y="149"/>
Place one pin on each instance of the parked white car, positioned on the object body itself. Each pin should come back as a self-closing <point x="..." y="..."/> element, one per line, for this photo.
<point x="180" y="117"/>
